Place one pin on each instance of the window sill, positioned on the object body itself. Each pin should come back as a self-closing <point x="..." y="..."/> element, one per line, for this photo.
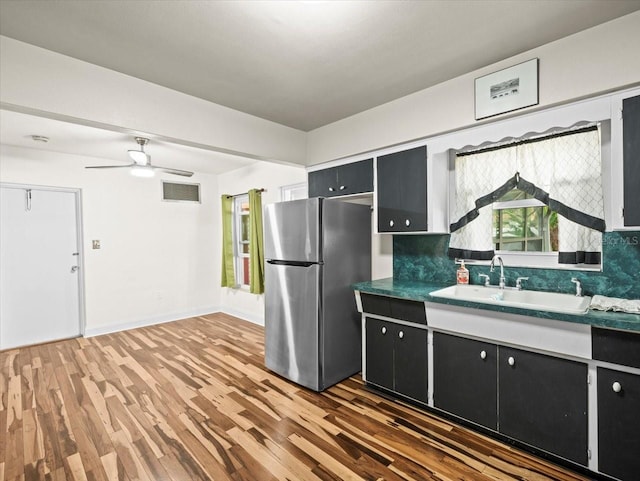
<point x="536" y="260"/>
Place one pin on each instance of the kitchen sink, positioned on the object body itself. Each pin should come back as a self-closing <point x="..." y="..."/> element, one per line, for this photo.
<point x="535" y="300"/>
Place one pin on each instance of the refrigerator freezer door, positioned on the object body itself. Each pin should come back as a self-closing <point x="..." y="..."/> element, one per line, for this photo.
<point x="291" y="322"/>
<point x="292" y="230"/>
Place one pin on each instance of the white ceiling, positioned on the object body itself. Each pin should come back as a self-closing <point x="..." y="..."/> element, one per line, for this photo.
<point x="108" y="147"/>
<point x="299" y="63"/>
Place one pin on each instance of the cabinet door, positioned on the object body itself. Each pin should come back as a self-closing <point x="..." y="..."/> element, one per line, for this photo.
<point x="465" y="376"/>
<point x="542" y="401"/>
<point x="379" y="352"/>
<point x="402" y="191"/>
<point x="618" y="424"/>
<point x="323" y="183"/>
<point x="410" y="366"/>
<point x="631" y="153"/>
<point x="355" y="178"/>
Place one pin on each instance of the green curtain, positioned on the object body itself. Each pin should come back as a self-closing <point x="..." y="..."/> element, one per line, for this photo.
<point x="256" y="245"/>
<point x="228" y="272"/>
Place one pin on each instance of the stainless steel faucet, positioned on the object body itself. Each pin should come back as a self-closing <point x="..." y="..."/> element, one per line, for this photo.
<point x="578" y="286"/>
<point x="501" y="284"/>
<point x="519" y="282"/>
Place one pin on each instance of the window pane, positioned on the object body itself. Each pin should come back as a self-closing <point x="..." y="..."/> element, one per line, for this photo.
<point x="513" y="223"/>
<point x="534" y="245"/>
<point x="245" y="268"/>
<point x="512" y="246"/>
<point x="553" y="231"/>
<point x="245" y="228"/>
<point x="534" y="222"/>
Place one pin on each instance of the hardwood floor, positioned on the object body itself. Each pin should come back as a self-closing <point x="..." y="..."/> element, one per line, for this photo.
<point x="191" y="400"/>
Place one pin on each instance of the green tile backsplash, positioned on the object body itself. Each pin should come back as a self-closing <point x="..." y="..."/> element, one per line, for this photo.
<point x="424" y="258"/>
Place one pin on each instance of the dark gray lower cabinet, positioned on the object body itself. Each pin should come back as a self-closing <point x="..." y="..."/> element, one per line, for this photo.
<point x="534" y="398"/>
<point x="465" y="377"/>
<point x="543" y="402"/>
<point x="379" y="352"/>
<point x="619" y="424"/>
<point x="396" y="358"/>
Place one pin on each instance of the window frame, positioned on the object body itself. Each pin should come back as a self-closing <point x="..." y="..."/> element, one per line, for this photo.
<point x="294" y="191"/>
<point x="238" y="256"/>
<point x="521" y="204"/>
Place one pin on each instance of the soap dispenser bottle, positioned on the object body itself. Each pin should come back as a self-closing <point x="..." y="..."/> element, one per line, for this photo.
<point x="462" y="274"/>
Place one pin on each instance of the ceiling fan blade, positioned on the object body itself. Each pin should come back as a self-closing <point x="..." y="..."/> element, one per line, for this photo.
<point x="184" y="173"/>
<point x="109" y="166"/>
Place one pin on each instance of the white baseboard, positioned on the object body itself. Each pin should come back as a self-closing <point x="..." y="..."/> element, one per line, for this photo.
<point x="244" y="315"/>
<point x="96" y="331"/>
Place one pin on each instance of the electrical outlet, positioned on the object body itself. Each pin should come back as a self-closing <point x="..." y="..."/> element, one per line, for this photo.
<point x="95" y="244"/>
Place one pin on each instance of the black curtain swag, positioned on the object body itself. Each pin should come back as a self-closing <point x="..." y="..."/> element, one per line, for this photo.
<point x="517" y="182"/>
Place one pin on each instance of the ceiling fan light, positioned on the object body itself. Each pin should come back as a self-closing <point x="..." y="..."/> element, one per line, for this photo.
<point x="139" y="157"/>
<point x="142" y="171"/>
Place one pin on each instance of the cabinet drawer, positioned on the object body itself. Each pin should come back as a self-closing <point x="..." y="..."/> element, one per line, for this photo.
<point x="618" y="347"/>
<point x="412" y="311"/>
<point x="406" y="310"/>
<point x="375" y="305"/>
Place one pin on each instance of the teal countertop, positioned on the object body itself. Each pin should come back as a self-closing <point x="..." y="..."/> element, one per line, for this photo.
<point x="420" y="291"/>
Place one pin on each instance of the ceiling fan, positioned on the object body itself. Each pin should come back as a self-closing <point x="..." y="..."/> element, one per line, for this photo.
<point x="141" y="166"/>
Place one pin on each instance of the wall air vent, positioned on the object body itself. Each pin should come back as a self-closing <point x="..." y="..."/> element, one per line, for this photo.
<point x="180" y="192"/>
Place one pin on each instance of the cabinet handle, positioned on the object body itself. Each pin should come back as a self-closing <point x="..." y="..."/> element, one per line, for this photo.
<point x="331" y="189"/>
<point x="390" y="223"/>
<point x="617" y="387"/>
<point x="384" y="330"/>
<point x="401" y="334"/>
<point x="342" y="187"/>
<point x="407" y="222"/>
<point x="511" y="361"/>
<point x="483" y="354"/>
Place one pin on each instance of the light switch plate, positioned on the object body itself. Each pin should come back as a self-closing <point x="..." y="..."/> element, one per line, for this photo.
<point x="95" y="244"/>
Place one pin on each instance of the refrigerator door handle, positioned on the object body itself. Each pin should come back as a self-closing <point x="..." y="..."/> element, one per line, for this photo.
<point x="277" y="262"/>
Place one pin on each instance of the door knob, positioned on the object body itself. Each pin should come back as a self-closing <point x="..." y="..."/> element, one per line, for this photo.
<point x="384" y="330"/>
<point x="483" y="355"/>
<point x="407" y="222"/>
<point x="342" y="187"/>
<point x="617" y="387"/>
<point x="74" y="269"/>
<point x="390" y="223"/>
<point x="511" y="361"/>
<point x="401" y="334"/>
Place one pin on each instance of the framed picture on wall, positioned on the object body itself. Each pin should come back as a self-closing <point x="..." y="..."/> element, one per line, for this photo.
<point x="506" y="90"/>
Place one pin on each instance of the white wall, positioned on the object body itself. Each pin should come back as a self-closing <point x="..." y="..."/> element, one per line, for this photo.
<point x="590" y="62"/>
<point x="158" y="261"/>
<point x="240" y="302"/>
<point x="38" y="81"/>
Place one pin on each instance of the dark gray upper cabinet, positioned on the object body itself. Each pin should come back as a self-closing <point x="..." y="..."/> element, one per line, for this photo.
<point x="401" y="191"/>
<point x="347" y="179"/>
<point x="631" y="153"/>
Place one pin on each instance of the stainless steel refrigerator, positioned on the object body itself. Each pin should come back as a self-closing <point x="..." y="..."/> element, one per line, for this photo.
<point x="315" y="249"/>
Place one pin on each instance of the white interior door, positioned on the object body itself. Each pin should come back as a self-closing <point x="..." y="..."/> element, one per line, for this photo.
<point x="39" y="285"/>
